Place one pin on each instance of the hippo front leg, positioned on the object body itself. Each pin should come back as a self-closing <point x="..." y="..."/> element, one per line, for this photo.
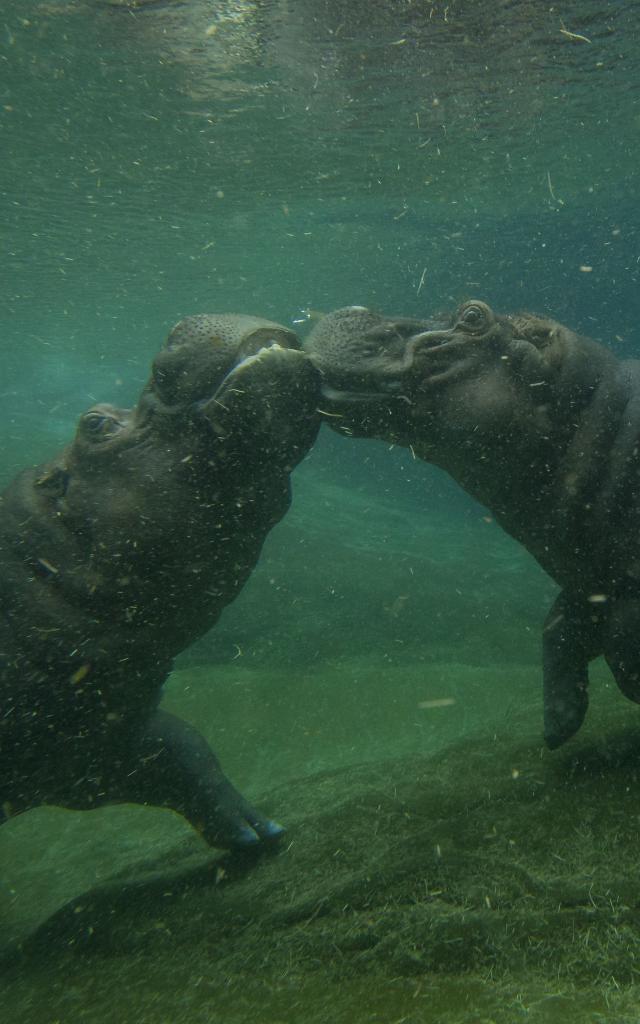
<point x="570" y="640"/>
<point x="175" y="767"/>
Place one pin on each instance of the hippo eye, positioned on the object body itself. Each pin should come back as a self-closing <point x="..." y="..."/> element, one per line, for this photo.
<point x="474" y="317"/>
<point x="99" y="426"/>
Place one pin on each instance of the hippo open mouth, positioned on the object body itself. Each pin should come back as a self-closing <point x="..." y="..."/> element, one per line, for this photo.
<point x="368" y="358"/>
<point x="255" y="352"/>
<point x="204" y="353"/>
<point x="261" y="340"/>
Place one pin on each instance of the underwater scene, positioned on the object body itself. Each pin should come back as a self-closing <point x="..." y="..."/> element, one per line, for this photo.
<point x="320" y="527"/>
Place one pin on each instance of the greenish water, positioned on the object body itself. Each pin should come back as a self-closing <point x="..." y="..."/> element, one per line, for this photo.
<point x="376" y="686"/>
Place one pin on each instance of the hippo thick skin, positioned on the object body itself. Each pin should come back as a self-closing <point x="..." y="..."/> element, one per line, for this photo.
<point x="543" y="428"/>
<point x="124" y="549"/>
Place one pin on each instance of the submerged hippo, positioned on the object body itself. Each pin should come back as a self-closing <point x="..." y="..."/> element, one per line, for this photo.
<point x="121" y="551"/>
<point x="542" y="427"/>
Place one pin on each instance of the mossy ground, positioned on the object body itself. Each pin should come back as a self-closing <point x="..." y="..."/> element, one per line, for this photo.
<point x="472" y="877"/>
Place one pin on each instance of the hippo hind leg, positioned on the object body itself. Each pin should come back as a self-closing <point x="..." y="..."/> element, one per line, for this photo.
<point x="173" y="766"/>
<point x="571" y="638"/>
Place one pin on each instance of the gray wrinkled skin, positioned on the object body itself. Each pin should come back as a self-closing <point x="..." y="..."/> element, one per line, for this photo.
<point x="542" y="427"/>
<point x="124" y="549"/>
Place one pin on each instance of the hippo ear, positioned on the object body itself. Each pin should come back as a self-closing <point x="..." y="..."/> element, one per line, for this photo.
<point x="537" y="349"/>
<point x="536" y="330"/>
<point x="549" y="337"/>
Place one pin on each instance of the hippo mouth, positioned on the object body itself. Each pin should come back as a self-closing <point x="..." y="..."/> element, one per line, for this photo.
<point x="257" y="349"/>
<point x="266" y="403"/>
<point x="263" y="340"/>
<point x="260" y="352"/>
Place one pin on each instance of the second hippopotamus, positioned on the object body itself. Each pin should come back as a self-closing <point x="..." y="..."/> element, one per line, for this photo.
<point x="125" y="548"/>
<point x="542" y="426"/>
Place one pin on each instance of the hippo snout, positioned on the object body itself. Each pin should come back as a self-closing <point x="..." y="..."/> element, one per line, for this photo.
<point x="424" y="342"/>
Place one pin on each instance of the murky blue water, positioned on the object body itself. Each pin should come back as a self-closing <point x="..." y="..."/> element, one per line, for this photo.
<point x="284" y="158"/>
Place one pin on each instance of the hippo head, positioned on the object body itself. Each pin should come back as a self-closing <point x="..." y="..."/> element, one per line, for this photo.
<point x="229" y="384"/>
<point x="410" y="380"/>
<point x="229" y="410"/>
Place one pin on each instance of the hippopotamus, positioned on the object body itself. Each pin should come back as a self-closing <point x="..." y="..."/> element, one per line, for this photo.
<point x="126" y="547"/>
<point x="540" y="425"/>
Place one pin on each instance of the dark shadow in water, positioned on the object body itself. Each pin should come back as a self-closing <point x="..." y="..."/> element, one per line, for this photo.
<point x="74" y="924"/>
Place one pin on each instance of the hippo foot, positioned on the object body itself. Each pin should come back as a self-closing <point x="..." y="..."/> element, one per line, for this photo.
<point x="233" y="823"/>
<point x="175" y="767"/>
<point x="562" y="721"/>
